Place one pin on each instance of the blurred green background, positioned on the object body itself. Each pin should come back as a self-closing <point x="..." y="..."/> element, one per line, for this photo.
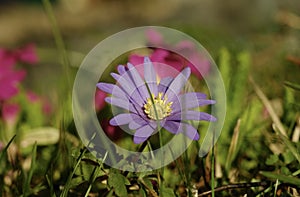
<point x="269" y="29"/>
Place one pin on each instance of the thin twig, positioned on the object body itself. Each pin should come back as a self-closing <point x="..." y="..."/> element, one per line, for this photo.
<point x="235" y="186"/>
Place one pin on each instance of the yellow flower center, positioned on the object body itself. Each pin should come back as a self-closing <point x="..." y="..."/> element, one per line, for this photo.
<point x="158" y="108"/>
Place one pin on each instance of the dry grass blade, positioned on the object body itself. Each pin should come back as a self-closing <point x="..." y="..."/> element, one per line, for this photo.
<point x="233" y="145"/>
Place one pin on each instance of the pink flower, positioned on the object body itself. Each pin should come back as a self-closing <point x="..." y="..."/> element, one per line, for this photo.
<point x="26" y="54"/>
<point x="10" y="113"/>
<point x="32" y="97"/>
<point x="199" y="64"/>
<point x="114" y="133"/>
<point x="99" y="100"/>
<point x="9" y="76"/>
<point x="9" y="81"/>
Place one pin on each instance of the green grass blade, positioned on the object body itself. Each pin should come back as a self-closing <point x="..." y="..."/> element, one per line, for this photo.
<point x="58" y="40"/>
<point x="26" y="185"/>
<point x="94" y="175"/>
<point x="50" y="184"/>
<point x="282" y="178"/>
<point x="224" y="64"/>
<point x="68" y="182"/>
<point x="3" y="152"/>
<point x="292" y="85"/>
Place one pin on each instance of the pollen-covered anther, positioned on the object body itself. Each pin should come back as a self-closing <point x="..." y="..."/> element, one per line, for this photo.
<point x="157" y="108"/>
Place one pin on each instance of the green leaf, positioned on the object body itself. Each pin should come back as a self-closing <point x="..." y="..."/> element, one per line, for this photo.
<point x="167" y="192"/>
<point x="118" y="182"/>
<point x="282" y="178"/>
<point x="272" y="159"/>
<point x="288" y="157"/>
<point x="148" y="183"/>
<point x="284" y="170"/>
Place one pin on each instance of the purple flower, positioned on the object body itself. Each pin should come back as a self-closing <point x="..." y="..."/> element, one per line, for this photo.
<point x="151" y="104"/>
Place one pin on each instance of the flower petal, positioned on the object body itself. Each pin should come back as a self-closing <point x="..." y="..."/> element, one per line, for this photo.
<point x="126" y="85"/>
<point x="139" y="82"/>
<point x="150" y="75"/>
<point x="120" y="103"/>
<point x="143" y="133"/>
<point x="178" y="83"/>
<point x="190" y="100"/>
<point x="192" y="115"/>
<point x="121" y="69"/>
<point x="121" y="119"/>
<point x="137" y="123"/>
<point x="190" y="131"/>
<point x="115" y="90"/>
<point x="179" y="127"/>
<point x="164" y="84"/>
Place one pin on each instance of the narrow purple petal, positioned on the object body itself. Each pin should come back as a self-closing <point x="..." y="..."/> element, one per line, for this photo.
<point x="135" y="125"/>
<point x="137" y="122"/>
<point x="189" y="101"/>
<point x="115" y="76"/>
<point x="172" y="126"/>
<point x="142" y="134"/>
<point x="127" y="85"/>
<point x="164" y="84"/>
<point x="121" y="119"/>
<point x="150" y="75"/>
<point x="207" y="117"/>
<point x="115" y="90"/>
<point x="139" y="82"/>
<point x="197" y="95"/>
<point x="196" y="103"/>
<point x="135" y="75"/>
<point x="121" y="69"/>
<point x="192" y="115"/>
<point x="178" y="83"/>
<point x="190" y="131"/>
<point x="119" y="103"/>
<point x="179" y="127"/>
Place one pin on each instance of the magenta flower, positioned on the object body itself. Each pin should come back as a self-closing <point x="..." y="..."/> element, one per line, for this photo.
<point x="9" y="76"/>
<point x="26" y="54"/>
<point x="199" y="64"/>
<point x="10" y="113"/>
<point x="114" y="133"/>
<point x="99" y="99"/>
<point x="9" y="81"/>
<point x="151" y="105"/>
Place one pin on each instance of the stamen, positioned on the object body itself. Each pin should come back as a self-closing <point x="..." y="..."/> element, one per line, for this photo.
<point x="159" y="109"/>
